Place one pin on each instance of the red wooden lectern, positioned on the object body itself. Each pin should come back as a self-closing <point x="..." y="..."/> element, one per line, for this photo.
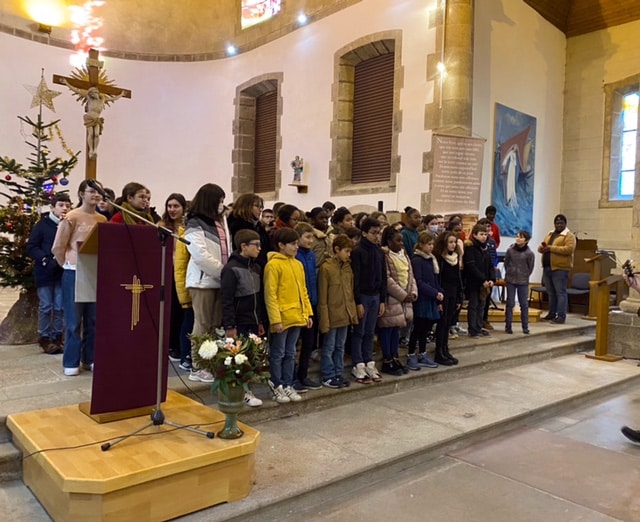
<point x="119" y="268"/>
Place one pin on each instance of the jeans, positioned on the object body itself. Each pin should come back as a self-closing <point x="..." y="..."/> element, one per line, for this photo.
<point x="362" y="337"/>
<point x="555" y="281"/>
<point x="389" y="338"/>
<point x="185" y="330"/>
<point x="332" y="363"/>
<point x="50" y="324"/>
<point x="80" y="325"/>
<point x="523" y="299"/>
<point x="282" y="356"/>
<point x="308" y="343"/>
<point x="475" y="311"/>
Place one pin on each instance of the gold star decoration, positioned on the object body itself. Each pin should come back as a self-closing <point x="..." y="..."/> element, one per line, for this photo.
<point x="42" y="95"/>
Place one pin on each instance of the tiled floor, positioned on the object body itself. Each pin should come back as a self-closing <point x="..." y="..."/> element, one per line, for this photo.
<point x="575" y="467"/>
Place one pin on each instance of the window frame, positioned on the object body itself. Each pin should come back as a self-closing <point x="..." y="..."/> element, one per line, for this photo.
<point x="611" y="161"/>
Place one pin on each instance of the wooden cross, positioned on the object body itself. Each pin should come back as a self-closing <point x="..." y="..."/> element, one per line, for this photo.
<point x="93" y="120"/>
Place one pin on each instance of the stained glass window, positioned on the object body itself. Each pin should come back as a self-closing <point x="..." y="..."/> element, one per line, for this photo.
<point x="628" y="144"/>
<point x="256" y="11"/>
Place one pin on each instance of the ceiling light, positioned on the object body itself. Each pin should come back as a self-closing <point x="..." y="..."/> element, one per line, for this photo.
<point x="302" y="19"/>
<point x="231" y="50"/>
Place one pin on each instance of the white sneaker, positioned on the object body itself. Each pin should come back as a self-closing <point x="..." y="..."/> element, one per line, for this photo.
<point x="251" y="400"/>
<point x="372" y="371"/>
<point x="72" y="372"/>
<point x="292" y="394"/>
<point x="280" y="396"/>
<point x="358" y="372"/>
<point x="201" y="376"/>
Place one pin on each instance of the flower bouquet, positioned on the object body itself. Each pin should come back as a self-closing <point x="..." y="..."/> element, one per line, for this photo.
<point x="234" y="363"/>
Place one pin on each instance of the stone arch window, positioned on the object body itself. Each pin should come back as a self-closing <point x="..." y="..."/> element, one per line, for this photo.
<point x="620" y="142"/>
<point x="363" y="52"/>
<point x="256" y="137"/>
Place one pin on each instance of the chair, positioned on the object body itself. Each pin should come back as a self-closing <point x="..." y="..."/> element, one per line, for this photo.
<point x="540" y="290"/>
<point x="579" y="286"/>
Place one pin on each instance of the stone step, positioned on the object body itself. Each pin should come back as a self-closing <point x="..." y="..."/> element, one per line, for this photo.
<point x="476" y="357"/>
<point x="333" y="453"/>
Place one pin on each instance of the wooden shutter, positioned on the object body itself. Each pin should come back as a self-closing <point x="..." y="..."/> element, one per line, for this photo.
<point x="265" y="142"/>
<point x="373" y="120"/>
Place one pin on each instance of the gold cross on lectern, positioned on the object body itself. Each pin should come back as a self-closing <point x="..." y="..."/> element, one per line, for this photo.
<point x="136" y="289"/>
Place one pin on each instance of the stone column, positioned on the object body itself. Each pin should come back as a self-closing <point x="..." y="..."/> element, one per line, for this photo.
<point x="457" y="88"/>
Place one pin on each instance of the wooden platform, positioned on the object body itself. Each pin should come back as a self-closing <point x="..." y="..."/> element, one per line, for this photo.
<point x="497" y="316"/>
<point x="161" y="474"/>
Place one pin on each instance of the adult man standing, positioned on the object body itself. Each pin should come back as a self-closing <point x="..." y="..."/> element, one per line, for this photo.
<point x="557" y="260"/>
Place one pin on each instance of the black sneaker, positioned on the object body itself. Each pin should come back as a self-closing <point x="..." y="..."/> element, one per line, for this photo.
<point x="391" y="368"/>
<point x="299" y="387"/>
<point x="344" y="383"/>
<point x="402" y="367"/>
<point x="311" y="385"/>
<point x="332" y="383"/>
<point x="174" y="356"/>
<point x="186" y="365"/>
<point x="632" y="435"/>
<point x="548" y="317"/>
<point x="557" y="320"/>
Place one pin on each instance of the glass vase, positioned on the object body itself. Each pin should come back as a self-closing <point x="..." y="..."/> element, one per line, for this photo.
<point x="231" y="404"/>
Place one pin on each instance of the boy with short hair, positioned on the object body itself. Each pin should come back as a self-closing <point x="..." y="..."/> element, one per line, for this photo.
<point x="267" y="219"/>
<point x="370" y="293"/>
<point x="308" y="336"/>
<point x="518" y="265"/>
<point x="241" y="293"/>
<point x="479" y="277"/>
<point x="288" y="309"/>
<point x="48" y="275"/>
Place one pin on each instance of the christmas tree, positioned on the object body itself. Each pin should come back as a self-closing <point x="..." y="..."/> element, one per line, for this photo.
<point x="28" y="190"/>
<point x="25" y="192"/>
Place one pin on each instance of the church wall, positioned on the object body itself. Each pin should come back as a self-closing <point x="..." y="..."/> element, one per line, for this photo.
<point x="594" y="60"/>
<point x="519" y="62"/>
<point x="176" y="132"/>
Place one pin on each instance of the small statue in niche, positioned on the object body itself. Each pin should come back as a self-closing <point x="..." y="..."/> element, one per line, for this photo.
<point x="298" y="166"/>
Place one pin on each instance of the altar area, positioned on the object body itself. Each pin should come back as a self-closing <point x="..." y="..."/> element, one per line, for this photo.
<point x="160" y="474"/>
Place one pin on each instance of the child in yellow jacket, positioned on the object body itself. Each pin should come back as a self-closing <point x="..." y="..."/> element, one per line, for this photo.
<point x="288" y="308"/>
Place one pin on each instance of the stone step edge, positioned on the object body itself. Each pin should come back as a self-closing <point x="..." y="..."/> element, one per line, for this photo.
<point x="346" y="486"/>
<point x="317" y="400"/>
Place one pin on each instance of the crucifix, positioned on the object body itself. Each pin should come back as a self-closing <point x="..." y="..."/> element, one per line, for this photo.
<point x="92" y="87"/>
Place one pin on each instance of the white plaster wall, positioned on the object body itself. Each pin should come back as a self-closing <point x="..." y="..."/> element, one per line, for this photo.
<point x="594" y="60"/>
<point x="519" y="62"/>
<point x="176" y="132"/>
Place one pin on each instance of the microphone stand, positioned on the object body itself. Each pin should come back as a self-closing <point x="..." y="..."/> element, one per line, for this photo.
<point x="157" y="417"/>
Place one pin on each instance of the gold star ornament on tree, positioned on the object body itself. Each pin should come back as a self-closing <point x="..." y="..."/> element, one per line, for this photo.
<point x="42" y="95"/>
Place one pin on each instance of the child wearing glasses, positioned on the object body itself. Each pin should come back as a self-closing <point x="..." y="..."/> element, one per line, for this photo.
<point x="241" y="292"/>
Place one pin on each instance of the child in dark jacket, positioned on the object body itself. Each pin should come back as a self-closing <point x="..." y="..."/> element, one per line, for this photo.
<point x="308" y="336"/>
<point x="479" y="278"/>
<point x="447" y="252"/>
<point x="48" y="275"/>
<point x="243" y="310"/>
<point x="426" y="310"/>
<point x="518" y="265"/>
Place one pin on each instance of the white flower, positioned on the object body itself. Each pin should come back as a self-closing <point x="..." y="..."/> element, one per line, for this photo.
<point x="208" y="350"/>
<point x="230" y="340"/>
<point x="255" y="339"/>
<point x="237" y="372"/>
<point x="241" y="358"/>
<point x="227" y="361"/>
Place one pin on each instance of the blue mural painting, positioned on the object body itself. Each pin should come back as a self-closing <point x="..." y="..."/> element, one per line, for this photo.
<point x="513" y="170"/>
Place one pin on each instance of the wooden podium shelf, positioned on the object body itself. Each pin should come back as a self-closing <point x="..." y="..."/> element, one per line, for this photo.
<point x="162" y="474"/>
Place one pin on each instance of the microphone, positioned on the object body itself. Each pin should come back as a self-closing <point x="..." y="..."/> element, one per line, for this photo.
<point x="96" y="186"/>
